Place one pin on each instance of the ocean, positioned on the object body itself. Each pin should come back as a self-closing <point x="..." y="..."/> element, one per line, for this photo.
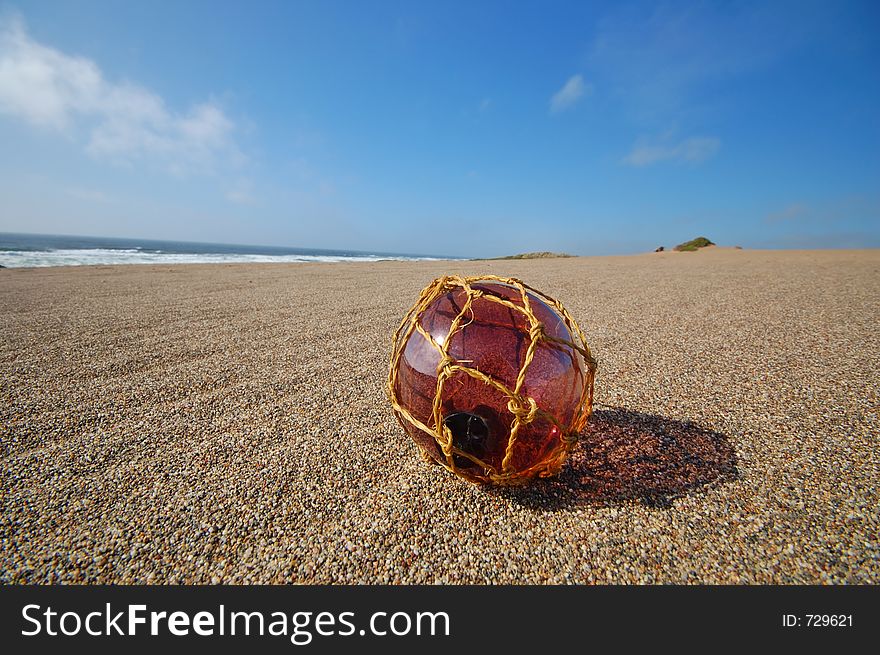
<point x="18" y="250"/>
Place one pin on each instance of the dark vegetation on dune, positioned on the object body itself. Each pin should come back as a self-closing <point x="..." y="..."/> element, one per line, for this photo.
<point x="693" y="244"/>
<point x="535" y="255"/>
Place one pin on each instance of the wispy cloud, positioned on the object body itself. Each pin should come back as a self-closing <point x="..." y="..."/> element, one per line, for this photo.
<point x="125" y="122"/>
<point x="693" y="149"/>
<point x="568" y="96"/>
<point x="485" y="104"/>
<point x="657" y="59"/>
<point x="790" y="213"/>
<point x="242" y="193"/>
<point x="854" y="210"/>
<point x="90" y="195"/>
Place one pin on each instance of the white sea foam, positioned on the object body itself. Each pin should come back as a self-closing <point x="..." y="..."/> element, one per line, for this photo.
<point x="95" y="256"/>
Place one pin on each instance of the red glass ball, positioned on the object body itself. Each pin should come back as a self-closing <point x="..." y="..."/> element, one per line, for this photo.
<point x="492" y="339"/>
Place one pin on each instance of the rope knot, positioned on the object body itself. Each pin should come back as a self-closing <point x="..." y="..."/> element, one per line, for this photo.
<point x="525" y="412"/>
<point x="537" y="331"/>
<point x="445" y="362"/>
<point x="446" y="444"/>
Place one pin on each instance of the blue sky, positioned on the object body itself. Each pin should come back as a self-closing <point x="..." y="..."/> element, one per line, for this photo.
<point x="472" y="129"/>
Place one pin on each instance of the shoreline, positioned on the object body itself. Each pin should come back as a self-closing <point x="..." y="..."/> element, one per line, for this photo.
<point x="709" y="251"/>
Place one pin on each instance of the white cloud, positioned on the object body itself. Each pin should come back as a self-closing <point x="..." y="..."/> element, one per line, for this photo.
<point x="569" y="94"/>
<point x="693" y="149"/>
<point x="125" y="122"/>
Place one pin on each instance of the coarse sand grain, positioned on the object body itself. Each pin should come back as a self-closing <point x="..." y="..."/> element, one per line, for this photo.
<point x="228" y="423"/>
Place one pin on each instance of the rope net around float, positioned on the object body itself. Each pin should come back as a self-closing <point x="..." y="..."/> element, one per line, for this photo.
<point x="523" y="408"/>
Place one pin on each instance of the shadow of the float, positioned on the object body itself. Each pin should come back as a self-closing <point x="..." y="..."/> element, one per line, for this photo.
<point x="625" y="456"/>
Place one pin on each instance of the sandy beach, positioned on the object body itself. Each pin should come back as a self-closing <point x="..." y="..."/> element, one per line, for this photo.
<point x="228" y="423"/>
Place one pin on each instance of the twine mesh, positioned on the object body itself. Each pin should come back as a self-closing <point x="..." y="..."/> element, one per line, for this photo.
<point x="523" y="408"/>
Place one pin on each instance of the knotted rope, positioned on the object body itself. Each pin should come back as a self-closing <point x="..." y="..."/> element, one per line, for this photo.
<point x="523" y="408"/>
